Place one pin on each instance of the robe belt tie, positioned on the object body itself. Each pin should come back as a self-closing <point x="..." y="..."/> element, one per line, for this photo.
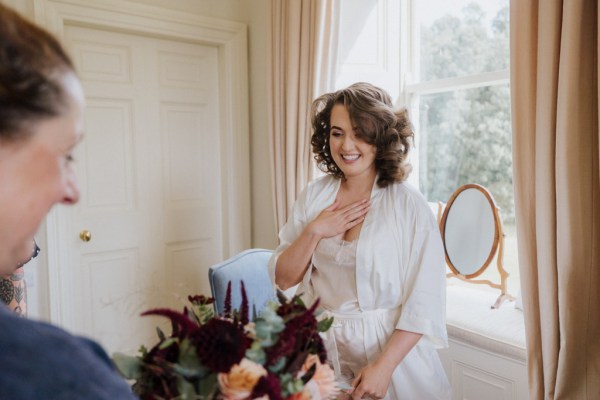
<point x="338" y="320"/>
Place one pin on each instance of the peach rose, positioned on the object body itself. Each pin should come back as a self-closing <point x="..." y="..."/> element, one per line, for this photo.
<point x="303" y="395"/>
<point x="238" y="383"/>
<point x="324" y="378"/>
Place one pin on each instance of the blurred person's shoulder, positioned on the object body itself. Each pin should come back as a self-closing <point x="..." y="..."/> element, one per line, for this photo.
<point x="40" y="360"/>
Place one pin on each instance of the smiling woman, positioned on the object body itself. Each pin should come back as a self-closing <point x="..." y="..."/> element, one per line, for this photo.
<point x="365" y="244"/>
<point x="40" y="124"/>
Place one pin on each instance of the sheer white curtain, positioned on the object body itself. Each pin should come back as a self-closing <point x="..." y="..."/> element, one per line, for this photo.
<point x="302" y="52"/>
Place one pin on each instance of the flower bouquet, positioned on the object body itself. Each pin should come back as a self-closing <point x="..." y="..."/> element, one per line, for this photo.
<point x="278" y="355"/>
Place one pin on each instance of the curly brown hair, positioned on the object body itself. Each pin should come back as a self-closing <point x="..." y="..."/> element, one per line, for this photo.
<point x="376" y="123"/>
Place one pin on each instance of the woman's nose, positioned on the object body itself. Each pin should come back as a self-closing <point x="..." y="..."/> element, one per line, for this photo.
<point x="71" y="193"/>
<point x="347" y="144"/>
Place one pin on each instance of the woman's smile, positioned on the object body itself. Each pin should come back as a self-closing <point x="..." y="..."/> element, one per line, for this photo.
<point x="352" y="155"/>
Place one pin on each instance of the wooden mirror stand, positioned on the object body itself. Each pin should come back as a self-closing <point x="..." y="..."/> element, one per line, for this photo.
<point x="463" y="228"/>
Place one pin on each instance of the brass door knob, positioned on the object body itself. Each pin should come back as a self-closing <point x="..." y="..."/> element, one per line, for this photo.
<point x="85" y="235"/>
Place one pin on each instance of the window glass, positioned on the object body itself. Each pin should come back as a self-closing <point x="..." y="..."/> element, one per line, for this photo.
<point x="464" y="130"/>
<point x="462" y="37"/>
<point x="465" y="137"/>
<point x="447" y="61"/>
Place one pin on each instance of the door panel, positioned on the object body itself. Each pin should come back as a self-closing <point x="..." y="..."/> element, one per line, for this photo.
<point x="150" y="180"/>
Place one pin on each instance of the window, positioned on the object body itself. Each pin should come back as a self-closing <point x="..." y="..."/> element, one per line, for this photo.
<point x="459" y="96"/>
<point x="451" y="71"/>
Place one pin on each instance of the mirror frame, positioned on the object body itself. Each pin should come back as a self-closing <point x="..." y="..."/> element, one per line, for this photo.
<point x="497" y="229"/>
<point x="496" y="250"/>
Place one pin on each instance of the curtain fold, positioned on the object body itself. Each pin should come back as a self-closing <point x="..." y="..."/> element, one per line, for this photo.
<point x="303" y="53"/>
<point x="554" y="94"/>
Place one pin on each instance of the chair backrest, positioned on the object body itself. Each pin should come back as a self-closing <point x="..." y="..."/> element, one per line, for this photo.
<point x="250" y="266"/>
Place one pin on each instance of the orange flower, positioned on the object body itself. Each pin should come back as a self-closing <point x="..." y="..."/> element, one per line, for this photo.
<point x="237" y="384"/>
<point x="303" y="395"/>
<point x="324" y="377"/>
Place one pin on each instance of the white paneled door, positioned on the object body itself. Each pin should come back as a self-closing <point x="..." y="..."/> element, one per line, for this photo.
<point x="150" y="183"/>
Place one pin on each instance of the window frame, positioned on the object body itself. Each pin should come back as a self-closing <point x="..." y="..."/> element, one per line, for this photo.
<point x="411" y="87"/>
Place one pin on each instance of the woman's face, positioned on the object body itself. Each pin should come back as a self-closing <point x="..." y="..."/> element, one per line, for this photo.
<point x="37" y="173"/>
<point x="353" y="156"/>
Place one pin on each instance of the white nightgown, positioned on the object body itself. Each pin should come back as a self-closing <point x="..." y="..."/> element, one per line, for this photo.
<point x="357" y="337"/>
<point x="391" y="277"/>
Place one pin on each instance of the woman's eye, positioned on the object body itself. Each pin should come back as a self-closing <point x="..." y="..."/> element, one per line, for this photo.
<point x="336" y="134"/>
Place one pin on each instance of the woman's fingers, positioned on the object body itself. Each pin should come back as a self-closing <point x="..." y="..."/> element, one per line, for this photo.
<point x="355" y="205"/>
<point x="357" y="213"/>
<point x="354" y="210"/>
<point x="354" y="222"/>
<point x="357" y="393"/>
<point x="334" y="220"/>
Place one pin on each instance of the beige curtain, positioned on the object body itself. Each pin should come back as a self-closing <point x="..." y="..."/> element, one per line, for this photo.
<point x="303" y="52"/>
<point x="554" y="83"/>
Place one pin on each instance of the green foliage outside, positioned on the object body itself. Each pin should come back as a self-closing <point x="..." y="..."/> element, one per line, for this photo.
<point x="465" y="135"/>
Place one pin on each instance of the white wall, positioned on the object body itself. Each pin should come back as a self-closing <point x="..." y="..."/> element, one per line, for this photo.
<point x="254" y="13"/>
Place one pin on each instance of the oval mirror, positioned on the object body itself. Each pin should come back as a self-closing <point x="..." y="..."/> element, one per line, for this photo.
<point x="470" y="230"/>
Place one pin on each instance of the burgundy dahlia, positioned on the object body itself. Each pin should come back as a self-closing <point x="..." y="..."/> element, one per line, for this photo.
<point x="220" y="344"/>
<point x="267" y="385"/>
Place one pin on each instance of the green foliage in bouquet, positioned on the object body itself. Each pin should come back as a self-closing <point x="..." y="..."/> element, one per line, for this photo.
<point x="278" y="355"/>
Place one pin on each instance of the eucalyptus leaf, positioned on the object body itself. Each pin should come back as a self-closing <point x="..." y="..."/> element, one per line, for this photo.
<point x="167" y="343"/>
<point x="278" y="366"/>
<point x="143" y="351"/>
<point x="187" y="391"/>
<point x="289" y="385"/>
<point x="324" y="324"/>
<point x="207" y="387"/>
<point x="160" y="333"/>
<point x="128" y="366"/>
<point x="256" y="353"/>
<point x="298" y="301"/>
<point x="188" y="363"/>
<point x="204" y="312"/>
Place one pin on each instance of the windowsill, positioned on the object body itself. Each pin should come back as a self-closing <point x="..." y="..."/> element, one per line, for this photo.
<point x="470" y="319"/>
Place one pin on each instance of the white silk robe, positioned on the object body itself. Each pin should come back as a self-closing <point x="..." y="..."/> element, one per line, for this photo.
<point x="399" y="265"/>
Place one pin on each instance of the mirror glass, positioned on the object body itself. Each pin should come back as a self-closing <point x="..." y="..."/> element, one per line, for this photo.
<point x="469" y="231"/>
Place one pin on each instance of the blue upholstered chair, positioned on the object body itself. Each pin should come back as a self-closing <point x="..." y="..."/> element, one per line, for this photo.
<point x="251" y="266"/>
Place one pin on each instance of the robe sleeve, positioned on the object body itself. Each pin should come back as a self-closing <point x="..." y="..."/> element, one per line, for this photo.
<point x="290" y="231"/>
<point x="424" y="283"/>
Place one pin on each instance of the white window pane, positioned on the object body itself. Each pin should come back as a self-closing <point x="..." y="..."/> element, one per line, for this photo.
<point x="465" y="137"/>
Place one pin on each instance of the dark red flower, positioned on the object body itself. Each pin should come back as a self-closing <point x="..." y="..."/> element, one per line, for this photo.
<point x="282" y="348"/>
<point x="158" y="380"/>
<point x="267" y="385"/>
<point x="182" y="324"/>
<point x="200" y="300"/>
<point x="244" y="307"/>
<point x="220" y="344"/>
<point x="227" y="310"/>
<point x="299" y="337"/>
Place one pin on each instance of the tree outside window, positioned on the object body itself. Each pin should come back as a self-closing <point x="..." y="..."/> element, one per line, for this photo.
<point x="462" y="97"/>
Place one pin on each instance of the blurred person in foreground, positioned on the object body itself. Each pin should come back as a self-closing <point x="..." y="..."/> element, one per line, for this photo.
<point x="41" y="107"/>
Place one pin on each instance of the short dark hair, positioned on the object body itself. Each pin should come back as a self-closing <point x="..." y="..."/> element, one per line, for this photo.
<point x="32" y="63"/>
<point x="377" y="123"/>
